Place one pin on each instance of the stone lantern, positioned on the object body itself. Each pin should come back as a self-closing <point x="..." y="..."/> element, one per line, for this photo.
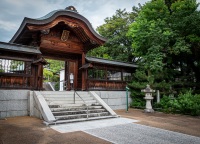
<point x="148" y="97"/>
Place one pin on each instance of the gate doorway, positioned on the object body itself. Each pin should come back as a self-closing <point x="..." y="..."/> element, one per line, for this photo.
<point x="60" y="75"/>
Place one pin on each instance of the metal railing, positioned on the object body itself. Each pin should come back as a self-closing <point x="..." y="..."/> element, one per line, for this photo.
<point x="75" y="92"/>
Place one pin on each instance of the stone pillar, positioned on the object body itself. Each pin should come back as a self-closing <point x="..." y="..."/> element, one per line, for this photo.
<point x="148" y="97"/>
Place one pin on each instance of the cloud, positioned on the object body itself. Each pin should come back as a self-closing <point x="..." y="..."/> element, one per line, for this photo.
<point x="8" y="26"/>
<point x="13" y="11"/>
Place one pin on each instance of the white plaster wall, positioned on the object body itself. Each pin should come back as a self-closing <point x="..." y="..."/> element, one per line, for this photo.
<point x="14" y="103"/>
<point x="62" y="78"/>
<point x="115" y="99"/>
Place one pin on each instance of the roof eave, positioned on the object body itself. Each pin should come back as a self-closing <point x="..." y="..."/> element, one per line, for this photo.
<point x="52" y="17"/>
<point x="121" y="64"/>
<point x="19" y="48"/>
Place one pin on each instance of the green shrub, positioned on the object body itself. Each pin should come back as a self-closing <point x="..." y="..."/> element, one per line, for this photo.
<point x="185" y="103"/>
<point x="57" y="86"/>
<point x="189" y="103"/>
<point x="138" y="103"/>
<point x="168" y="104"/>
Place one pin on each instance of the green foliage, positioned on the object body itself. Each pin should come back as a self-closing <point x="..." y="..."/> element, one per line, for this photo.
<point x="57" y="86"/>
<point x="51" y="71"/>
<point x="168" y="104"/>
<point x="55" y="65"/>
<point x="16" y="65"/>
<point x="137" y="103"/>
<point x="118" y="45"/>
<point x="166" y="39"/>
<point x="100" y="52"/>
<point x="189" y="103"/>
<point x="47" y="74"/>
<point x="186" y="103"/>
<point x="140" y="81"/>
<point x="1" y="65"/>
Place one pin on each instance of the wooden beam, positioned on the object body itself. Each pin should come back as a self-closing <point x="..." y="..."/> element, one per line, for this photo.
<point x="72" y="23"/>
<point x="83" y="73"/>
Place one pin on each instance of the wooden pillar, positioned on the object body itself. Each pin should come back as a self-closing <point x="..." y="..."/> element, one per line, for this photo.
<point x="39" y="77"/>
<point x="66" y="79"/>
<point x="83" y="73"/>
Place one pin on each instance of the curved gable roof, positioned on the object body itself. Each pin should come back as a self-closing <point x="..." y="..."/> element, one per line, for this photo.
<point x="50" y="17"/>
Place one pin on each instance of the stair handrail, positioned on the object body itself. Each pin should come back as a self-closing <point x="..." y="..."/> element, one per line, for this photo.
<point x="75" y="92"/>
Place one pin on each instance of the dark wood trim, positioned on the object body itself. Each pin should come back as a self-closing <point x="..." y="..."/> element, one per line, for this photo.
<point x="83" y="73"/>
<point x="15" y="58"/>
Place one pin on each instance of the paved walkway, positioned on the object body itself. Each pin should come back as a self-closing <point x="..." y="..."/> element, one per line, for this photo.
<point x="82" y="126"/>
<point x="28" y="130"/>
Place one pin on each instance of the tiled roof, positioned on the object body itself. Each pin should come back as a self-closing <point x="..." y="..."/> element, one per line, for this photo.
<point x="20" y="48"/>
<point x="110" y="62"/>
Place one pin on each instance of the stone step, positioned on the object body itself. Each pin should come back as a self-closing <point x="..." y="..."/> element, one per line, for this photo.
<point x="57" y="113"/>
<point x="78" y="116"/>
<point x="57" y="92"/>
<point x="89" y="102"/>
<point x="58" y="98"/>
<point x="80" y="120"/>
<point x="74" y="108"/>
<point x="95" y="104"/>
<point x="65" y="95"/>
<point x="67" y="106"/>
<point x="54" y="106"/>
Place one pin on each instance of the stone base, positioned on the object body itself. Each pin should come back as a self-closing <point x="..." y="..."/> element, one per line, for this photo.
<point x="148" y="110"/>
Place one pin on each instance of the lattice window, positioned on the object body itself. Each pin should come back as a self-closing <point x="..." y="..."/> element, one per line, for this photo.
<point x="15" y="66"/>
<point x="114" y="75"/>
<point x="96" y="74"/>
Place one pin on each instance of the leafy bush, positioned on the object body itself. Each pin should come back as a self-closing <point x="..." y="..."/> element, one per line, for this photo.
<point x="57" y="86"/>
<point x="185" y="103"/>
<point x="138" y="103"/>
<point x="189" y="104"/>
<point x="168" y="104"/>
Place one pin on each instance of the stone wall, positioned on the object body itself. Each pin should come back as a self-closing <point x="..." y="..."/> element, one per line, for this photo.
<point x="20" y="102"/>
<point x="115" y="99"/>
<point x="14" y="103"/>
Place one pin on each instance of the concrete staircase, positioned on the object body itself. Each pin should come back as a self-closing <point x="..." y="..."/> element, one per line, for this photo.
<point x="85" y="107"/>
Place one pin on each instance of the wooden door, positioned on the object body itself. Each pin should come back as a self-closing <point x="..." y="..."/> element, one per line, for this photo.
<point x="72" y="68"/>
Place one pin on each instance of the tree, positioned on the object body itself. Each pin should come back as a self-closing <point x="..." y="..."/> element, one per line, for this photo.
<point x="166" y="38"/>
<point x="51" y="71"/>
<point x="47" y="74"/>
<point x="118" y="46"/>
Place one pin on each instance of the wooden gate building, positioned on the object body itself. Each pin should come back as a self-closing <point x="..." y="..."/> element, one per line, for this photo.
<point x="62" y="35"/>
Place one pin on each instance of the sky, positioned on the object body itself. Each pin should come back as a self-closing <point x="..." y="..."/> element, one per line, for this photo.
<point x="12" y="12"/>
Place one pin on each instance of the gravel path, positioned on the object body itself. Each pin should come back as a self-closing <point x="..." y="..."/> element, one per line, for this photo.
<point x="140" y="134"/>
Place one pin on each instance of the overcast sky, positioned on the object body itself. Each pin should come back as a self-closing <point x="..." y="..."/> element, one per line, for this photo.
<point x="12" y="12"/>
